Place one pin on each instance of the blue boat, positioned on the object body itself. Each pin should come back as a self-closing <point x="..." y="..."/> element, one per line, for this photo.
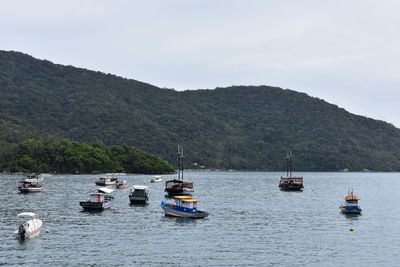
<point x="350" y="205"/>
<point x="184" y="207"/>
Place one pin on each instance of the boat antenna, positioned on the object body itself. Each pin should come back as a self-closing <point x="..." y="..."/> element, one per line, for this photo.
<point x="180" y="162"/>
<point x="289" y="164"/>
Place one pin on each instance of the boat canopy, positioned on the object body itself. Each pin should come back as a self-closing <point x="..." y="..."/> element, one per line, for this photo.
<point x="190" y="200"/>
<point x="31" y="214"/>
<point x="183" y="197"/>
<point x="105" y="190"/>
<point x="351" y="197"/>
<point x="140" y="187"/>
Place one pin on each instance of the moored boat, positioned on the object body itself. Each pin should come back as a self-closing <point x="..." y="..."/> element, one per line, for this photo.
<point x="120" y="184"/>
<point x="156" y="179"/>
<point x="98" y="200"/>
<point x="31" y="184"/>
<point x="289" y="182"/>
<point x="351" y="206"/>
<point x="178" y="187"/>
<point x="184" y="207"/>
<point x="103" y="181"/>
<point x="30" y="228"/>
<point x="139" y="194"/>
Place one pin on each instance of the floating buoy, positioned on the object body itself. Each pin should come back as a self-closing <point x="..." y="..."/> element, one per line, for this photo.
<point x="47" y="231"/>
<point x="351" y="229"/>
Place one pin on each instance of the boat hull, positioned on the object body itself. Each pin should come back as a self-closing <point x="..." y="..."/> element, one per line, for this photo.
<point x="179" y="192"/>
<point x="138" y="199"/>
<point x="181" y="214"/>
<point x="352" y="210"/>
<point x="30" y="189"/>
<point x="291" y="187"/>
<point x="88" y="205"/>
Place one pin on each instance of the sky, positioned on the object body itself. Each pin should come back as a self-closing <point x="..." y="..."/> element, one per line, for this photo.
<point x="345" y="52"/>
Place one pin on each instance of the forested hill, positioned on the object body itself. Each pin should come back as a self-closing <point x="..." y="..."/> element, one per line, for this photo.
<point x="240" y="127"/>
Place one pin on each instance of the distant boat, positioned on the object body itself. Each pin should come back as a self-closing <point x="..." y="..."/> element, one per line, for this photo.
<point x="289" y="182"/>
<point x="177" y="187"/>
<point x="31" y="184"/>
<point x="45" y="175"/>
<point x="351" y="206"/>
<point x="98" y="200"/>
<point x="30" y="228"/>
<point x="103" y="181"/>
<point x="139" y="194"/>
<point x="156" y="179"/>
<point x="120" y="184"/>
<point x="184" y="207"/>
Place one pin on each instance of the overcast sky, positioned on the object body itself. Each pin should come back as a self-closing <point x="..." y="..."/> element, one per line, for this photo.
<point x="345" y="52"/>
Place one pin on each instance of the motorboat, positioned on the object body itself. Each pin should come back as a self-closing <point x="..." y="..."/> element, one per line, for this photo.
<point x="139" y="194"/>
<point x="103" y="181"/>
<point x="350" y="206"/>
<point x="29" y="228"/>
<point x="178" y="186"/>
<point x="46" y="175"/>
<point x="120" y="184"/>
<point x="31" y="184"/>
<point x="99" y="199"/>
<point x="289" y="182"/>
<point x="156" y="179"/>
<point x="184" y="207"/>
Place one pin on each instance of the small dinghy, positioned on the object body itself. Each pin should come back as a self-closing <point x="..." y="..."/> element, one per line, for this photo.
<point x="184" y="207"/>
<point x="120" y="184"/>
<point x="156" y="179"/>
<point x="98" y="200"/>
<point x="30" y="228"/>
<point x="351" y="206"/>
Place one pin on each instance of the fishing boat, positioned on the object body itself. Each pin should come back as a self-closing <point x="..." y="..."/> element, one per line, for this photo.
<point x="100" y="199"/>
<point x="178" y="187"/>
<point x="103" y="181"/>
<point x="156" y="179"/>
<point x="30" y="228"/>
<point x="289" y="182"/>
<point x="184" y="207"/>
<point x="31" y="184"/>
<point x="139" y="194"/>
<point x="350" y="206"/>
<point x="120" y="184"/>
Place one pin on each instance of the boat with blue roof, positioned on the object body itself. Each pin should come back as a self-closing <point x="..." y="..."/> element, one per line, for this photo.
<point x="351" y="206"/>
<point x="184" y="207"/>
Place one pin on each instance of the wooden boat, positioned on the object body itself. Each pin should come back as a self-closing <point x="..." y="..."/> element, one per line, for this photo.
<point x="139" y="194"/>
<point x="351" y="206"/>
<point x="103" y="181"/>
<point x="31" y="184"/>
<point x="289" y="182"/>
<point x="120" y="184"/>
<point x="184" y="207"/>
<point x="30" y="228"/>
<point x="98" y="200"/>
<point x="178" y="187"/>
<point x="156" y="179"/>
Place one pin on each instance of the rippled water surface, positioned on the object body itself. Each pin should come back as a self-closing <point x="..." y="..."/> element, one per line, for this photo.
<point x="251" y="223"/>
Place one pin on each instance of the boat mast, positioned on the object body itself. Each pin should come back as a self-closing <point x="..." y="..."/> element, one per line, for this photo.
<point x="289" y="164"/>
<point x="180" y="162"/>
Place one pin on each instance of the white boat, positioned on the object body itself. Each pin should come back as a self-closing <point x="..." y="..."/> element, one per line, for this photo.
<point x="139" y="194"/>
<point x="99" y="199"/>
<point x="31" y="184"/>
<point x="156" y="179"/>
<point x="29" y="228"/>
<point x="106" y="181"/>
<point x="46" y="175"/>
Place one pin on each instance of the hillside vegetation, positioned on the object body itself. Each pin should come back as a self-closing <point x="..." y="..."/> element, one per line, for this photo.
<point x="240" y="127"/>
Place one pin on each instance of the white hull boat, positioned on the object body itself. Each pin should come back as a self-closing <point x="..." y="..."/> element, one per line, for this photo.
<point x="30" y="228"/>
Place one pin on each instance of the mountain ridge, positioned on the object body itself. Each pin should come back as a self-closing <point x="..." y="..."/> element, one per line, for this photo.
<point x="236" y="127"/>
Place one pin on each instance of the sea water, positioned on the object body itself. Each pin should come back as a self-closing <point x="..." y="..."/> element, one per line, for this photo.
<point x="251" y="223"/>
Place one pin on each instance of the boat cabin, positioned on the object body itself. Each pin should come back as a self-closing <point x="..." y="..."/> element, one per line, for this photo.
<point x="186" y="203"/>
<point x="178" y="184"/>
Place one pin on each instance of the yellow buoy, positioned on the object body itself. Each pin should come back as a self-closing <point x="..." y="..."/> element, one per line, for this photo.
<point x="351" y="229"/>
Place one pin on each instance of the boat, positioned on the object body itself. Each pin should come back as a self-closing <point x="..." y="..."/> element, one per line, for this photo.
<point x="184" y="207"/>
<point x="156" y="179"/>
<point x="178" y="186"/>
<point x="289" y="182"/>
<point x="351" y="206"/>
<point x="99" y="199"/>
<point x="31" y="184"/>
<point x="139" y="194"/>
<point x="103" y="181"/>
<point x="120" y="184"/>
<point x="30" y="228"/>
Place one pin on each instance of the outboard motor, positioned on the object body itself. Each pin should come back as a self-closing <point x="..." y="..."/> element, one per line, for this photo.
<point x="22" y="232"/>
